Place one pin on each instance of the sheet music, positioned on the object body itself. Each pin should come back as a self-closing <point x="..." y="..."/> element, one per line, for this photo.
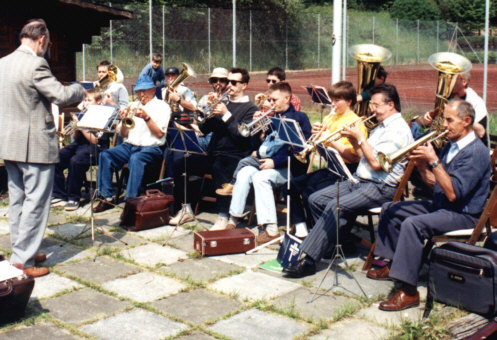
<point x="97" y="117"/>
<point x="7" y="271"/>
<point x="335" y="163"/>
<point x="184" y="141"/>
<point x="289" y="131"/>
<point x="319" y="95"/>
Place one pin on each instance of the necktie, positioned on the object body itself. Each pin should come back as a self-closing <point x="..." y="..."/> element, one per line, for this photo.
<point x="452" y="151"/>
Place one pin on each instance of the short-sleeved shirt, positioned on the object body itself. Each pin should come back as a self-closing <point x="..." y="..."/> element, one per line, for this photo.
<point x="141" y="135"/>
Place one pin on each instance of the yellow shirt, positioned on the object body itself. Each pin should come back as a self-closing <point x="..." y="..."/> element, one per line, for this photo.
<point x="334" y="122"/>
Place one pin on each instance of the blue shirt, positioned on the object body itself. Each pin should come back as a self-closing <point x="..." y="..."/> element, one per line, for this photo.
<point x="389" y="136"/>
<point x="157" y="75"/>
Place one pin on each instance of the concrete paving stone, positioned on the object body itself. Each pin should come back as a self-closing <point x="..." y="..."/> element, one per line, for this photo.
<point x="52" y="284"/>
<point x="4" y="227"/>
<point x="253" y="286"/>
<point x="201" y="270"/>
<point x="38" y="332"/>
<point x="162" y="233"/>
<point x="5" y="242"/>
<point x="99" y="270"/>
<point x="4" y="211"/>
<point x="322" y="306"/>
<point x="348" y="285"/>
<point x="111" y="240"/>
<point x="389" y="319"/>
<point x="70" y="231"/>
<point x="248" y="261"/>
<point x="254" y="324"/>
<point x="183" y="242"/>
<point x="197" y="306"/>
<point x="55" y="219"/>
<point x="82" y="306"/>
<point x="112" y="219"/>
<point x="152" y="254"/>
<point x="144" y="287"/>
<point x="135" y="324"/>
<point x="352" y="329"/>
<point x="64" y="252"/>
<point x="195" y="336"/>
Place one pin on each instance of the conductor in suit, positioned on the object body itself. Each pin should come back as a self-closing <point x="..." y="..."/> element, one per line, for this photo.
<point x="28" y="142"/>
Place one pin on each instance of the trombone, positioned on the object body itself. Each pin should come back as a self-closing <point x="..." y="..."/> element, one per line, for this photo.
<point x="259" y="124"/>
<point x="387" y="161"/>
<point x="321" y="138"/>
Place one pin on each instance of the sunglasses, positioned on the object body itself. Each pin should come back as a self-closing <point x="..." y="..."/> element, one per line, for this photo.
<point x="271" y="81"/>
<point x="215" y="80"/>
<point x="234" y="82"/>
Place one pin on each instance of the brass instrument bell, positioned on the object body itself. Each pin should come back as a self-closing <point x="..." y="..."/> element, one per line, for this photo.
<point x="186" y="72"/>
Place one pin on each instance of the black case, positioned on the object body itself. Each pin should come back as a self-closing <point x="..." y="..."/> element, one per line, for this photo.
<point x="14" y="296"/>
<point x="463" y="275"/>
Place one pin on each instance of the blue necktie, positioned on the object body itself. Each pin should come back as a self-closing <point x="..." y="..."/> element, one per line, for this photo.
<point x="452" y="151"/>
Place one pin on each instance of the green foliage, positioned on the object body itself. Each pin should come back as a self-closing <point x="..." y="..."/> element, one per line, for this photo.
<point x="470" y="14"/>
<point x="414" y="10"/>
<point x="421" y="329"/>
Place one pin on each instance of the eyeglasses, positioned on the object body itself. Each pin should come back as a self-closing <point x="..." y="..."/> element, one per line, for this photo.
<point x="214" y="80"/>
<point x="271" y="81"/>
<point x="373" y="106"/>
<point x="234" y="82"/>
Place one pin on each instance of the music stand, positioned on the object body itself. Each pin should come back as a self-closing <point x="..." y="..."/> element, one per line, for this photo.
<point x="185" y="141"/>
<point x="290" y="133"/>
<point x="336" y="165"/>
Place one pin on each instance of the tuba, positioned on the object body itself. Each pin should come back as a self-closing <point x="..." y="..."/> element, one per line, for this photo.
<point x="186" y="72"/>
<point x="449" y="66"/>
<point x="113" y="74"/>
<point x="369" y="57"/>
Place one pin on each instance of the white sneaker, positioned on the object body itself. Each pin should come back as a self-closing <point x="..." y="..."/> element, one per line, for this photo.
<point x="220" y="224"/>
<point x="59" y="203"/>
<point x="183" y="216"/>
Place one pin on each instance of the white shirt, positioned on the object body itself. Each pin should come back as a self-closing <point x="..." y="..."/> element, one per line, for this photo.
<point x="119" y="94"/>
<point x="478" y="104"/>
<point x="141" y="135"/>
<point x="184" y="93"/>
<point x="461" y="143"/>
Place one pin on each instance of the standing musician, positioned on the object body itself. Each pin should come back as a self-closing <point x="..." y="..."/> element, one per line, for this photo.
<point x="373" y="187"/>
<point x="28" y="142"/>
<point x="76" y="157"/>
<point x="459" y="177"/>
<point x="343" y="99"/>
<point x="226" y="148"/>
<point x="275" y="75"/>
<point x="141" y="147"/>
<point x="181" y="94"/>
<point x="116" y="93"/>
<point x="266" y="168"/>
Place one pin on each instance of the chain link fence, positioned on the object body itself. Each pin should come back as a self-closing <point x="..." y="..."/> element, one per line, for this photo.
<point x="203" y="38"/>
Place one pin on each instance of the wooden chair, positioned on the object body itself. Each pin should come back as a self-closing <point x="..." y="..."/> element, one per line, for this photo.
<point x="493" y="164"/>
<point x="398" y="196"/>
<point x="121" y="177"/>
<point x="203" y="194"/>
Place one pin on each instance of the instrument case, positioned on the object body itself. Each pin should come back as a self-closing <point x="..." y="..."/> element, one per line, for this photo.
<point x="222" y="242"/>
<point x="463" y="275"/>
<point x="14" y="296"/>
<point x="147" y="211"/>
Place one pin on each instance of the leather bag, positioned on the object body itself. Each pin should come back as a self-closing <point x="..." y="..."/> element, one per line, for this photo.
<point x="14" y="296"/>
<point x="147" y="211"/>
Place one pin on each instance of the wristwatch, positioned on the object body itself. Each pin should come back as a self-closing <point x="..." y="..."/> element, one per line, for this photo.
<point x="435" y="164"/>
<point x="362" y="140"/>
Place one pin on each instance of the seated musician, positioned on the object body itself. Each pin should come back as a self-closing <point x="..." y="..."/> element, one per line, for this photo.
<point x="266" y="168"/>
<point x="115" y="92"/>
<point x="343" y="99"/>
<point x="226" y="148"/>
<point x="141" y="147"/>
<point x="459" y="177"/>
<point x="372" y="188"/>
<point x="77" y="158"/>
<point x="273" y="76"/>
<point x="181" y="94"/>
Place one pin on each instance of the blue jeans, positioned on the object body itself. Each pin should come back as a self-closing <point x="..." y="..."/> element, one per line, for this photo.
<point x="137" y="158"/>
<point x="263" y="181"/>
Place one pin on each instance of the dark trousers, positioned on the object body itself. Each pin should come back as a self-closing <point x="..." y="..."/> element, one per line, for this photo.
<point x="221" y="167"/>
<point x="75" y="158"/>
<point x="403" y="229"/>
<point x="354" y="198"/>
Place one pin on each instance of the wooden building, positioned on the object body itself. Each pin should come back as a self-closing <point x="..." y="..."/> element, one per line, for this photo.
<point x="71" y="24"/>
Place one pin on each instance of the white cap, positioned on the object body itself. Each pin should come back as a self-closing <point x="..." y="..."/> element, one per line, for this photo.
<point x="219" y="72"/>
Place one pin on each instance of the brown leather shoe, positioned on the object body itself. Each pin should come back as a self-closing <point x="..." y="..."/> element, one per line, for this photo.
<point x="103" y="205"/>
<point x="379" y="274"/>
<point x="36" y="271"/>
<point x="40" y="257"/>
<point x="225" y="190"/>
<point x="400" y="301"/>
<point x="264" y="237"/>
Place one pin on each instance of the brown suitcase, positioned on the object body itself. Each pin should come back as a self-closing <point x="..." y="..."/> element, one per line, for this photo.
<point x="222" y="242"/>
<point x="147" y="211"/>
<point x="14" y="296"/>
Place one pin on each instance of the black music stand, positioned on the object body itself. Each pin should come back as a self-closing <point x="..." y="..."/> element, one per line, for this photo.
<point x="290" y="133"/>
<point x="185" y="141"/>
<point x="336" y="165"/>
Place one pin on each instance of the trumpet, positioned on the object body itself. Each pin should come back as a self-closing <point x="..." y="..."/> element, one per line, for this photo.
<point x="257" y="125"/>
<point x="387" y="161"/>
<point x="128" y="120"/>
<point x="334" y="136"/>
<point x="204" y="113"/>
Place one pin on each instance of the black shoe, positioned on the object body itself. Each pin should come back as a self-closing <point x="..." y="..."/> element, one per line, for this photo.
<point x="303" y="267"/>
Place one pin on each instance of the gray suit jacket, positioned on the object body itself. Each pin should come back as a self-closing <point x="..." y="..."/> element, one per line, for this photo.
<point x="27" y="87"/>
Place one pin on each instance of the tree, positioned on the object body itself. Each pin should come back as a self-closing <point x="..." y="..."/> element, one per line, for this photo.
<point x="415" y="9"/>
<point x="470" y="14"/>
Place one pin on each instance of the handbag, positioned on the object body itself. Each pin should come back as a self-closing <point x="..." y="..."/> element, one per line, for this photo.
<point x="14" y="296"/>
<point x="147" y="211"/>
